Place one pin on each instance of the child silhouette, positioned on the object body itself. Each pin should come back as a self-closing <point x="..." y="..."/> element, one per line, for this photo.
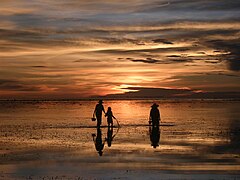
<point x="109" y="116"/>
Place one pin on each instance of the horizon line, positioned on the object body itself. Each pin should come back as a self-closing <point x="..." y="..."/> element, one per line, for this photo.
<point x="109" y="99"/>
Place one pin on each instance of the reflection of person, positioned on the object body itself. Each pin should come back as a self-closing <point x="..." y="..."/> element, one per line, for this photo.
<point x="99" y="145"/>
<point x="98" y="112"/>
<point x="154" y="135"/>
<point x="110" y="136"/>
<point x="154" y="117"/>
<point x="109" y="115"/>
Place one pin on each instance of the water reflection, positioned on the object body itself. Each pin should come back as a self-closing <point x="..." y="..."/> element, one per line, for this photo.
<point x="205" y="136"/>
<point x="110" y="135"/>
<point x="99" y="143"/>
<point x="99" y="140"/>
<point x="154" y="132"/>
<point x="233" y="136"/>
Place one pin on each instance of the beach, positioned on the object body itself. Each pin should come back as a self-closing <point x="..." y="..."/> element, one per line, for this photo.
<point x="197" y="139"/>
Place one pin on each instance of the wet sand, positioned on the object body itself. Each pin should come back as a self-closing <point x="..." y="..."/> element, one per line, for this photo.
<point x="54" y="140"/>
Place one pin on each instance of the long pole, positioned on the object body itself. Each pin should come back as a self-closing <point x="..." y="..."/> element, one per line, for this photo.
<point x="117" y="122"/>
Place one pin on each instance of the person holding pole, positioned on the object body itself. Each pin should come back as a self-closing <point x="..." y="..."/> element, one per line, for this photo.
<point x="109" y="116"/>
<point x="154" y="117"/>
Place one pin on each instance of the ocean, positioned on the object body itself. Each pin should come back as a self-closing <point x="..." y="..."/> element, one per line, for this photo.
<point x="39" y="138"/>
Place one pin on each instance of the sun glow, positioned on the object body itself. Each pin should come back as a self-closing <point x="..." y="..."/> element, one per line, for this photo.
<point x="124" y="88"/>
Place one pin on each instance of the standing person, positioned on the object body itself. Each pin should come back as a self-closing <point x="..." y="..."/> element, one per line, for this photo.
<point x="98" y="112"/>
<point x="109" y="115"/>
<point x="154" y="115"/>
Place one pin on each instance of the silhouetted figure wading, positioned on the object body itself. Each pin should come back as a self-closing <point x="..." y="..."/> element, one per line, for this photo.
<point x="154" y="117"/>
<point x="98" y="112"/>
<point x="109" y="116"/>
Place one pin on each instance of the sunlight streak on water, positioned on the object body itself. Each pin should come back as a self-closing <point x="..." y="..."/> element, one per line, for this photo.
<point x="202" y="132"/>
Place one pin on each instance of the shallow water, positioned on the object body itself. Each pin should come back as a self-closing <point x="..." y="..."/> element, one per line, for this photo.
<point x="39" y="138"/>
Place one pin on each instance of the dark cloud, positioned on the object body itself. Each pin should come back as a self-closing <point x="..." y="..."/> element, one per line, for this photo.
<point x="203" y="5"/>
<point x="153" y="92"/>
<point x="211" y="62"/>
<point x="231" y="49"/>
<point x="146" y="50"/>
<point x="20" y="39"/>
<point x="147" y="60"/>
<point x="201" y="53"/>
<point x="146" y="92"/>
<point x="30" y="20"/>
<point x="174" y="56"/>
<point x="15" y="85"/>
<point x="160" y="61"/>
<point x="225" y="74"/>
<point x="38" y="66"/>
<point x="212" y="81"/>
<point x="87" y="60"/>
<point x="56" y="36"/>
<point x="164" y="41"/>
<point x="18" y="33"/>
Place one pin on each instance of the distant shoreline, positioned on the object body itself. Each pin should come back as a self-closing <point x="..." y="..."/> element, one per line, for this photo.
<point x="127" y="99"/>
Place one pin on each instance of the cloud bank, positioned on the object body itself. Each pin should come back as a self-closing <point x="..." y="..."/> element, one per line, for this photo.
<point x="86" y="48"/>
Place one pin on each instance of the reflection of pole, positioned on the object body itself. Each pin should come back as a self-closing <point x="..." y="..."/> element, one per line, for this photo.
<point x="117" y="131"/>
<point x="117" y="122"/>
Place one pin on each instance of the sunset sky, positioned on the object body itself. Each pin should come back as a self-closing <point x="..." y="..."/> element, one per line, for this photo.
<point x="76" y="49"/>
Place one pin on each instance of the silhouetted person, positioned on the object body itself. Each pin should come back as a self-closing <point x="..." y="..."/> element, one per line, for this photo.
<point x="99" y="144"/>
<point x="154" y="135"/>
<point x="98" y="112"/>
<point x="109" y="116"/>
<point x="154" y="117"/>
